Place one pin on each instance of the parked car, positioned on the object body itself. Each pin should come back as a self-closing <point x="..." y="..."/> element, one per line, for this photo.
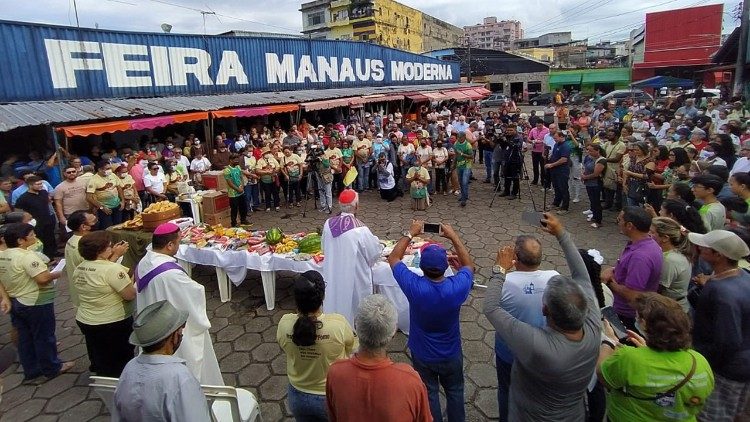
<point x="578" y="99"/>
<point x="620" y="95"/>
<point x="542" y="99"/>
<point x="496" y="100"/>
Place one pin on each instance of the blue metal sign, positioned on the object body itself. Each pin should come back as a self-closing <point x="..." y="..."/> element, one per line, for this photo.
<point x="41" y="62"/>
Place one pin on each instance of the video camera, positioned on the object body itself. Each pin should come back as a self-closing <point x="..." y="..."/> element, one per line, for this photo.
<point x="313" y="154"/>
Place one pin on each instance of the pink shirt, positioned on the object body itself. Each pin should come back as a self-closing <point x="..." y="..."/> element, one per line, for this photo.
<point x="536" y="137"/>
<point x="136" y="172"/>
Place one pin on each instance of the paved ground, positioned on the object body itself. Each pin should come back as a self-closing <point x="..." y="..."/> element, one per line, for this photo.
<point x="244" y="331"/>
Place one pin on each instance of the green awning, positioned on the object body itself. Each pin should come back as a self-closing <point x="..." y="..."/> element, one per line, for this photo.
<point x="565" y="78"/>
<point x="607" y="75"/>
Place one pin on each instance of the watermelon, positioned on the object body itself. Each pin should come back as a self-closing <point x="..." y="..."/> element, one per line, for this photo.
<point x="274" y="236"/>
<point x="309" y="244"/>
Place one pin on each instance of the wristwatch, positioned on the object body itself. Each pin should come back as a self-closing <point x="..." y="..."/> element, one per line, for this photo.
<point x="407" y="234"/>
<point x="609" y="343"/>
<point x="497" y="269"/>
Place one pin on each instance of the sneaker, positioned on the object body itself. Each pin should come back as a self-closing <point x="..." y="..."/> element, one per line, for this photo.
<point x="588" y="212"/>
<point x="268" y="209"/>
<point x="562" y="212"/>
<point x="277" y="209"/>
<point x="589" y="218"/>
<point x="463" y="203"/>
<point x="576" y="200"/>
<point x="595" y="225"/>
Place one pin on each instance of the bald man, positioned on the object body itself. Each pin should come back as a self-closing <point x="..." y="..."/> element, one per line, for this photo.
<point x="522" y="298"/>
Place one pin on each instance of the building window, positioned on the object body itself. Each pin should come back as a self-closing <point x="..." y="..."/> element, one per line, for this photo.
<point x="316" y="18"/>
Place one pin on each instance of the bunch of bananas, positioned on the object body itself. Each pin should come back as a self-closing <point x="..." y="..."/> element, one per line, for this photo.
<point x="135" y="223"/>
<point x="160" y="206"/>
<point x="287" y="245"/>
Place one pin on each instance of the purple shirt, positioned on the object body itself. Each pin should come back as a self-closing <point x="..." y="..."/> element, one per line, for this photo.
<point x="638" y="268"/>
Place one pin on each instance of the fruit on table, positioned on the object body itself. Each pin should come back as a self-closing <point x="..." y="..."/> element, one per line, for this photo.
<point x="286" y="245"/>
<point x="160" y="206"/>
<point x="310" y="244"/>
<point x="274" y="236"/>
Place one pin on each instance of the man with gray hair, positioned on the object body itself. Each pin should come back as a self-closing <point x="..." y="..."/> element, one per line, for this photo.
<point x="369" y="386"/>
<point x="351" y="250"/>
<point x="553" y="365"/>
<point x="522" y="298"/>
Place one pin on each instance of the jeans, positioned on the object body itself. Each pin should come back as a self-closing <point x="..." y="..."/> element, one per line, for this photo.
<point x="238" y="204"/>
<point x="294" y="192"/>
<point x="108" y="346"/>
<point x="512" y="175"/>
<point x="503" y="386"/>
<point x="252" y="195"/>
<point x="463" y="179"/>
<point x="559" y="178"/>
<point x="431" y="183"/>
<point x="326" y="195"/>
<point x="575" y="175"/>
<point x="487" y="164"/>
<point x="45" y="231"/>
<point x="363" y="178"/>
<point x="537" y="165"/>
<point x="37" y="345"/>
<point x="449" y="374"/>
<point x="106" y="221"/>
<point x="594" y="192"/>
<point x="441" y="181"/>
<point x="306" y="407"/>
<point x="613" y="198"/>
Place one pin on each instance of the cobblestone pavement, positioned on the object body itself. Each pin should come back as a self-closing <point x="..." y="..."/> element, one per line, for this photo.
<point x="244" y="332"/>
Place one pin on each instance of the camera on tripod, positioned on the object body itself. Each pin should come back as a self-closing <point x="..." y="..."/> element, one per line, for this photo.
<point x="313" y="154"/>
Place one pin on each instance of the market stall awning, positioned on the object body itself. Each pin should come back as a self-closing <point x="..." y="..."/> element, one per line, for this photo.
<point x="416" y="97"/>
<point x="615" y="75"/>
<point x="255" y="111"/>
<point x="134" y="124"/>
<point x="376" y="99"/>
<point x="457" y="95"/>
<point x="435" y="95"/>
<point x="482" y="90"/>
<point x="565" y="78"/>
<point x="327" y="104"/>
<point x="475" y="94"/>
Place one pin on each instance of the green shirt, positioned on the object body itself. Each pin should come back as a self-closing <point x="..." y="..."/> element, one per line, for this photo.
<point x="714" y="215"/>
<point x="675" y="277"/>
<point x="644" y="373"/>
<point x="234" y="175"/>
<point x="18" y="267"/>
<point x="463" y="148"/>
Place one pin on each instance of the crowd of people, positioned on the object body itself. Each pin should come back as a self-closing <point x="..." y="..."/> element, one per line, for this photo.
<point x="677" y="187"/>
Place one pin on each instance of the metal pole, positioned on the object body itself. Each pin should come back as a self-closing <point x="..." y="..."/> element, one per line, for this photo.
<point x="739" y="67"/>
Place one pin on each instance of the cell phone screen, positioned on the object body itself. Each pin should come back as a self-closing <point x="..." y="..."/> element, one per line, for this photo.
<point x="610" y="315"/>
<point x="532" y="217"/>
<point x="431" y="228"/>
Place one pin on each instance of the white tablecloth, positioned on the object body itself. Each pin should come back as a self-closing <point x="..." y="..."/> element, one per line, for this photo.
<point x="233" y="265"/>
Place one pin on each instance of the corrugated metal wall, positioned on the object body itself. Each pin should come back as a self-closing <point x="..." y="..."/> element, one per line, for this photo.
<point x="28" y="75"/>
<point x="682" y="37"/>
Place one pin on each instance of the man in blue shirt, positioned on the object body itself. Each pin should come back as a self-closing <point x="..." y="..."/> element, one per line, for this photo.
<point x="558" y="171"/>
<point x="434" y="306"/>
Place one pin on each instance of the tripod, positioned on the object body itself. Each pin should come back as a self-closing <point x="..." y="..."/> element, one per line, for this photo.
<point x="308" y="186"/>
<point x="502" y="178"/>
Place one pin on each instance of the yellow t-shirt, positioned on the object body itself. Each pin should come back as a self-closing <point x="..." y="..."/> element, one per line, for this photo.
<point x="307" y="366"/>
<point x="18" y="267"/>
<point x="98" y="284"/>
<point x="72" y="260"/>
<point x="105" y="190"/>
<point x="362" y="149"/>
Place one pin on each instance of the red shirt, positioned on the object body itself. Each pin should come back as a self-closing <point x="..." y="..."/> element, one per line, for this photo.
<point x="699" y="147"/>
<point x="381" y="391"/>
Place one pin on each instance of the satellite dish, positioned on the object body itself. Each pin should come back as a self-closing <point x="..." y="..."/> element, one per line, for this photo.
<point x="166" y="27"/>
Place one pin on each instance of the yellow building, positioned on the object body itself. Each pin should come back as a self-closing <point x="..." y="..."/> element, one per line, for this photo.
<point x="384" y="22"/>
<point x="539" y="53"/>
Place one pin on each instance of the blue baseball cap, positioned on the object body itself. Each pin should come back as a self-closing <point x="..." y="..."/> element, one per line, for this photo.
<point x="435" y="258"/>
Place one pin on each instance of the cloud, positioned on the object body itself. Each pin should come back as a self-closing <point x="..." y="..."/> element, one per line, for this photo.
<point x="585" y="18"/>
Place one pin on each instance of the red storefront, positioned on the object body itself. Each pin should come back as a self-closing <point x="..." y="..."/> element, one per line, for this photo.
<point x="680" y="42"/>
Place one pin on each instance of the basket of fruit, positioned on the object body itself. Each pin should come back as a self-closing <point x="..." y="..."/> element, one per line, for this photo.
<point x="158" y="213"/>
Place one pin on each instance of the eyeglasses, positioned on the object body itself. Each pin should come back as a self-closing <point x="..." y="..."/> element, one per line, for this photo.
<point x="71" y="172"/>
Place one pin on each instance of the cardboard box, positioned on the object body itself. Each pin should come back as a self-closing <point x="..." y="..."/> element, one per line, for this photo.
<point x="214" y="180"/>
<point x="215" y="202"/>
<point x="223" y="218"/>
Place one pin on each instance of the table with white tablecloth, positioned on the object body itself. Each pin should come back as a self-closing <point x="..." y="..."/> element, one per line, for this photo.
<point x="233" y="265"/>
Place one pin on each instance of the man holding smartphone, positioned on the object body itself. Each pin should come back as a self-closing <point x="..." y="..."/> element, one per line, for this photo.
<point x="434" y="305"/>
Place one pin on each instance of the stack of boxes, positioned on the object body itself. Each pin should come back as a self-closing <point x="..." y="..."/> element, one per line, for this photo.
<point x="216" y="208"/>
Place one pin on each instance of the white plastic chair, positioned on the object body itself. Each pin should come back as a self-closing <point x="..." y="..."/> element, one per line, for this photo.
<point x="227" y="404"/>
<point x="105" y="388"/>
<point x="231" y="404"/>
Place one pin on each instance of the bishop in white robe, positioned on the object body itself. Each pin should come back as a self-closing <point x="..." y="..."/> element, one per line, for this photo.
<point x="159" y="277"/>
<point x="350" y="251"/>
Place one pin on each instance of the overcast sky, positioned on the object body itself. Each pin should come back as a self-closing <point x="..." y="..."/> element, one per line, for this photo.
<point x="593" y="19"/>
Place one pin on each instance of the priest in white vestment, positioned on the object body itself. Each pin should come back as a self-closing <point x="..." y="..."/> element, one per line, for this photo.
<point x="350" y="251"/>
<point x="159" y="277"/>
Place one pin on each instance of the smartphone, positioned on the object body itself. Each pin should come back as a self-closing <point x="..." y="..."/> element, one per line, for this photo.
<point x="432" y="228"/>
<point x="532" y="217"/>
<point x="610" y="315"/>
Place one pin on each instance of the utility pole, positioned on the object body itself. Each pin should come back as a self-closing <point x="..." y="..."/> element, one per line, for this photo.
<point x="739" y="67"/>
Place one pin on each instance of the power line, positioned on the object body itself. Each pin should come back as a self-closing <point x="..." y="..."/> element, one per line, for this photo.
<point x="561" y="15"/>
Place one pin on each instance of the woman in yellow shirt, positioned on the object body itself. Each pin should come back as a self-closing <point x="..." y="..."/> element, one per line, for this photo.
<point x="312" y="341"/>
<point x="106" y="297"/>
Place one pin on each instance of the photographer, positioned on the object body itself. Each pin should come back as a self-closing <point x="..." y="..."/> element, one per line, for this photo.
<point x="321" y="166"/>
<point x="513" y="161"/>
<point x="386" y="180"/>
<point x="435" y="303"/>
<point x="486" y="147"/>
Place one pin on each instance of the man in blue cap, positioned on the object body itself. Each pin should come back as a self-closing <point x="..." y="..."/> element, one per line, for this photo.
<point x="434" y="306"/>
